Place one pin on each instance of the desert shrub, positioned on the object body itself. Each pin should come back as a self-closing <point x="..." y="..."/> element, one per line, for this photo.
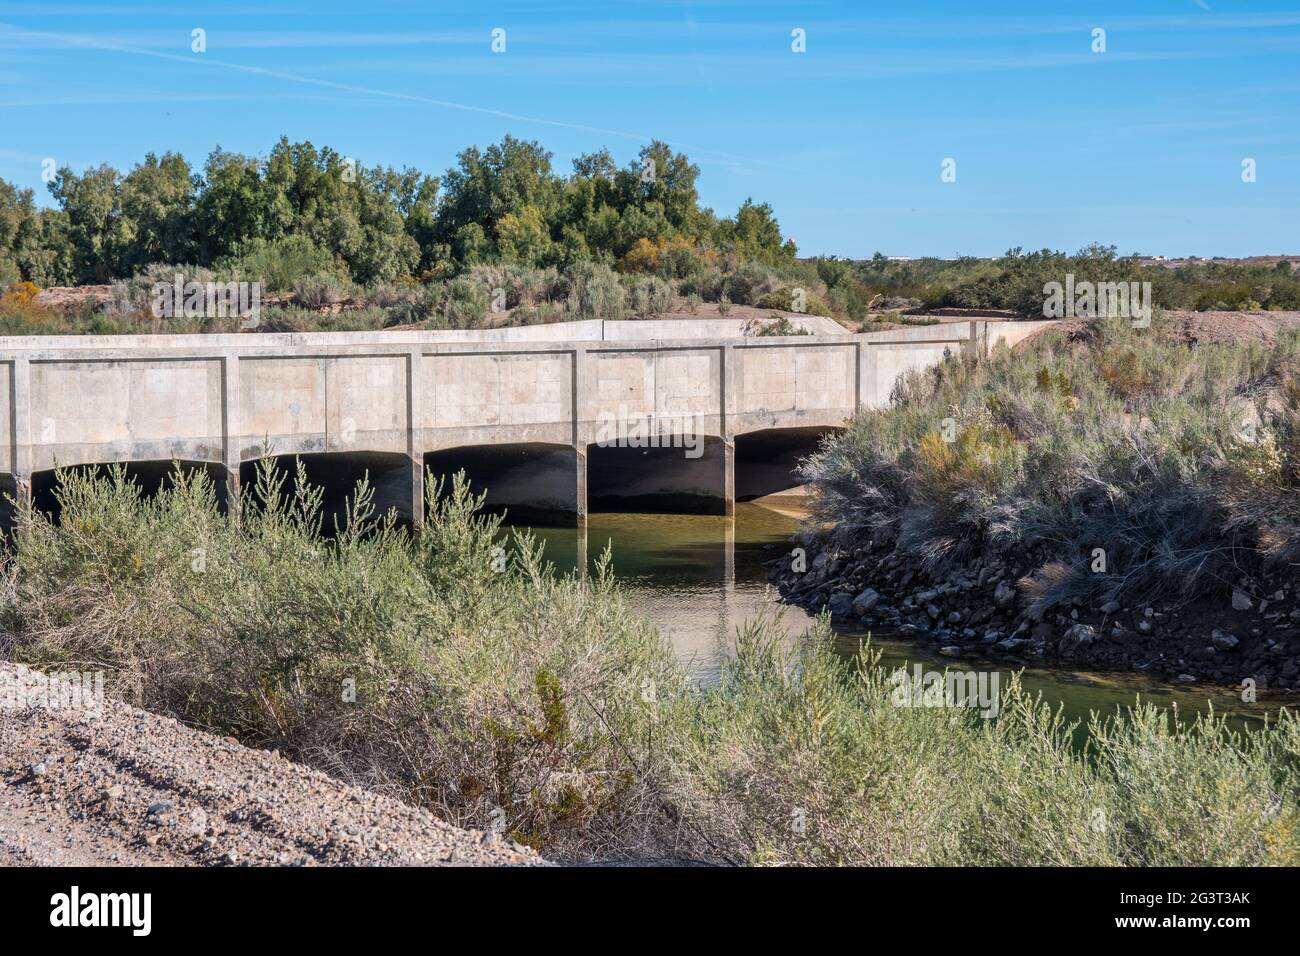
<point x="464" y="305"/>
<point x="319" y="291"/>
<point x="748" y="284"/>
<point x="785" y="301"/>
<point x="520" y="285"/>
<point x="710" y="285"/>
<point x="279" y="264"/>
<point x="650" y="295"/>
<point x="669" y="257"/>
<point x="803" y="757"/>
<point x="136" y="296"/>
<point x="22" y="314"/>
<point x="415" y="306"/>
<point x="594" y="292"/>
<point x="542" y="696"/>
<point x="20" y="294"/>
<point x="297" y="318"/>
<point x="1121" y="435"/>
<point x="387" y="295"/>
<point x="207" y="302"/>
<point x="474" y="689"/>
<point x="543" y="313"/>
<point x="9" y="274"/>
<point x="773" y="325"/>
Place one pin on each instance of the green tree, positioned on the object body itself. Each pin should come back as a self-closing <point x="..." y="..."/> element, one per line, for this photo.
<point x="523" y="237"/>
<point x="756" y="234"/>
<point x="157" y="205"/>
<point x="487" y="186"/>
<point x="230" y="209"/>
<point x="33" y="242"/>
<point x="95" y="225"/>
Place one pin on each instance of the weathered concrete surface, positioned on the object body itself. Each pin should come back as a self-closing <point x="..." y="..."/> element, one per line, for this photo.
<point x="227" y="399"/>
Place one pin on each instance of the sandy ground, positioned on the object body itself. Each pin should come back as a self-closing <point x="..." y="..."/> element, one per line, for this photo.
<point x="129" y="788"/>
<point x="1225" y="328"/>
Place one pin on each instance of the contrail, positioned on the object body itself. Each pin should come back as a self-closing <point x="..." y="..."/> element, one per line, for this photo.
<point x="370" y="91"/>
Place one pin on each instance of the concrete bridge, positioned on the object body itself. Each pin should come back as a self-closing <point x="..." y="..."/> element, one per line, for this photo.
<point x="526" y="408"/>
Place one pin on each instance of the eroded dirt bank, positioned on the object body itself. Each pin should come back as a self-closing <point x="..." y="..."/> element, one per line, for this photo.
<point x="128" y="787"/>
<point x="1249" y="633"/>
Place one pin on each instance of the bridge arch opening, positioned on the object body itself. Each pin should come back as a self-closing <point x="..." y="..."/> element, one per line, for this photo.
<point x="337" y="474"/>
<point x="533" y="483"/>
<point x="151" y="476"/>
<point x="767" y="461"/>
<point x="678" y="477"/>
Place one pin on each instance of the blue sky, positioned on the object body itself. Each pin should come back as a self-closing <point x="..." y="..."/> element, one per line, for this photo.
<point x="1140" y="146"/>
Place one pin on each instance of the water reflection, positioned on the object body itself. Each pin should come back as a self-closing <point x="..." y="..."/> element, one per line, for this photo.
<point x="699" y="577"/>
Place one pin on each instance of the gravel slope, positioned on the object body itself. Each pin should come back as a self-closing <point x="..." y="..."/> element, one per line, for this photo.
<point x="1219" y="328"/>
<point x="127" y="787"/>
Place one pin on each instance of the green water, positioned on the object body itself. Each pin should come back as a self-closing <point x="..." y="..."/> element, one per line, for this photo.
<point x="699" y="577"/>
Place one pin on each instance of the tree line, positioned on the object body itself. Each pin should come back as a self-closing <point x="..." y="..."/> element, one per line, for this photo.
<point x="503" y="204"/>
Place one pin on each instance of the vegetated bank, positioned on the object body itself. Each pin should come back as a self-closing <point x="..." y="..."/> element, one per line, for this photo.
<point x="540" y="702"/>
<point x="1110" y="496"/>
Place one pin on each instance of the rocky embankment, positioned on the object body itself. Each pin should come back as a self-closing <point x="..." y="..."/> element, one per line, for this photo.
<point x="123" y="786"/>
<point x="1251" y="632"/>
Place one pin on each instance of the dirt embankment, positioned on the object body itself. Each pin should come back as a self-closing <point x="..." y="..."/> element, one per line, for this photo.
<point x="1209" y="328"/>
<point x="126" y="787"/>
<point x="1250" y="632"/>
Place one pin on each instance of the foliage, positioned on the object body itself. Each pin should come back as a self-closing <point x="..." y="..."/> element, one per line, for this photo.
<point x="1015" y="281"/>
<point x="594" y="292"/>
<point x="651" y="295"/>
<point x="464" y="305"/>
<point x="1126" y="439"/>
<point x="414" y="666"/>
<point x="280" y="264"/>
<point x="503" y="204"/>
<point x="784" y="300"/>
<point x="320" y="291"/>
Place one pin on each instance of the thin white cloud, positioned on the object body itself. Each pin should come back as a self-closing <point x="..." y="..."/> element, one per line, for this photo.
<point x="122" y="99"/>
<point x="736" y="69"/>
<point x="219" y="39"/>
<point x="205" y="60"/>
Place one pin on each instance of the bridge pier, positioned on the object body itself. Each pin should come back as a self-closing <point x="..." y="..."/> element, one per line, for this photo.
<point x="233" y="510"/>
<point x="580" y="499"/>
<point x="729" y="478"/>
<point x="230" y="431"/>
<point x="23" y="489"/>
<point x="416" y="465"/>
